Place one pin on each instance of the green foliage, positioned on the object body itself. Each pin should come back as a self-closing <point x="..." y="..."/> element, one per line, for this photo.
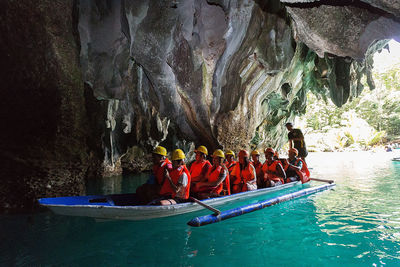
<point x="349" y="140"/>
<point x="379" y="108"/>
<point x="377" y="138"/>
<point x="256" y="140"/>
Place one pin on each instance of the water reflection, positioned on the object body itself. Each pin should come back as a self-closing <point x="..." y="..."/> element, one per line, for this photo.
<point x="357" y="223"/>
<point x="126" y="183"/>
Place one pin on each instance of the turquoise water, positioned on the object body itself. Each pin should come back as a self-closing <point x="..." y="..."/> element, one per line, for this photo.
<point x="356" y="224"/>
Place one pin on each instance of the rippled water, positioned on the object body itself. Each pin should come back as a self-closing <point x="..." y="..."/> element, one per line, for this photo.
<point x="356" y="224"/>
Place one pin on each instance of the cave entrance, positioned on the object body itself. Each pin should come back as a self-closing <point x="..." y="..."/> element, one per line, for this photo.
<point x="369" y="121"/>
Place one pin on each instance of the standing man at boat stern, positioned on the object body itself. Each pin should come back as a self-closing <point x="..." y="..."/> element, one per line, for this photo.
<point x="175" y="188"/>
<point x="296" y="140"/>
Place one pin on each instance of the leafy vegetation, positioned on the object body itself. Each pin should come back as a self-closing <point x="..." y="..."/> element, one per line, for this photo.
<point x="368" y="120"/>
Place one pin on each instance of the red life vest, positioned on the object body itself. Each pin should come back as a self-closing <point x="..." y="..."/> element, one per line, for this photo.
<point x="242" y="177"/>
<point x="197" y="167"/>
<point x="258" y="166"/>
<point x="304" y="173"/>
<point x="259" y="173"/>
<point x="284" y="164"/>
<point x="230" y="165"/>
<point x="227" y="185"/>
<point x="158" y="170"/>
<point x="166" y="188"/>
<point x="272" y="168"/>
<point x="213" y="176"/>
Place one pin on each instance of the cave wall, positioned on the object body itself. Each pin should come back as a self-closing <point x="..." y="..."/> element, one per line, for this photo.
<point x="194" y="72"/>
<point x="221" y="73"/>
<point x="43" y="141"/>
<point x="91" y="87"/>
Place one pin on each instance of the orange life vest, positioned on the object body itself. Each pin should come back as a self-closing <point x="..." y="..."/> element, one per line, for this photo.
<point x="242" y="178"/>
<point x="158" y="170"/>
<point x="227" y="185"/>
<point x="304" y="173"/>
<point x="230" y="165"/>
<point x="272" y="168"/>
<point x="259" y="173"/>
<point x="258" y="166"/>
<point x="166" y="188"/>
<point x="197" y="167"/>
<point x="284" y="164"/>
<point x="213" y="176"/>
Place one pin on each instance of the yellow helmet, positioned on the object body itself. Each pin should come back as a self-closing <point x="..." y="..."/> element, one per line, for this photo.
<point x="230" y="152"/>
<point x="255" y="152"/>
<point x="178" y="154"/>
<point x="202" y="149"/>
<point x="160" y="151"/>
<point x="218" y="153"/>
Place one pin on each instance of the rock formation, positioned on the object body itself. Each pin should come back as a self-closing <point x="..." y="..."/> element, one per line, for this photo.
<point x="86" y="83"/>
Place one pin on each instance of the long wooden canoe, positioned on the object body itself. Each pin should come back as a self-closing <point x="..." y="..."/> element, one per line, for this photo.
<point x="123" y="206"/>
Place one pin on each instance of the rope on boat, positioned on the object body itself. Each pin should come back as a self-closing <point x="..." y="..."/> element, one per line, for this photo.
<point x="212" y="218"/>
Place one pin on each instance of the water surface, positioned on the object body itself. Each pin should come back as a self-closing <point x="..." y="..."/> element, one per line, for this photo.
<point x="356" y="224"/>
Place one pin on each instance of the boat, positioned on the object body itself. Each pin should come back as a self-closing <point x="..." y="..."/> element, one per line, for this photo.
<point x="124" y="207"/>
<point x="395" y="159"/>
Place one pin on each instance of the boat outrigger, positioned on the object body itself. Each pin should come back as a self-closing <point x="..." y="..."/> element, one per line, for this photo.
<point x="124" y="207"/>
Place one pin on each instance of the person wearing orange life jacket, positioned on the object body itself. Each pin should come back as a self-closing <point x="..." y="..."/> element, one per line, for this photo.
<point x="175" y="188"/>
<point x="296" y="169"/>
<point x="273" y="171"/>
<point x="283" y="161"/>
<point x="200" y="167"/>
<point x="255" y="156"/>
<point x="243" y="175"/>
<point x="216" y="178"/>
<point x="230" y="160"/>
<point x="151" y="188"/>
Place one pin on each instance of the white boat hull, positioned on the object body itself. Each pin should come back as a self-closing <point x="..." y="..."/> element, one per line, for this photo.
<point x="136" y="213"/>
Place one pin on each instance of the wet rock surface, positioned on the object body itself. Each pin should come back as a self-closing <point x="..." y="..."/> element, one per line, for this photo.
<point x="91" y="87"/>
<point x="44" y="141"/>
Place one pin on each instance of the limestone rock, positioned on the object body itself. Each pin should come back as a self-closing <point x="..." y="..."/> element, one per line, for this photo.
<point x="325" y="29"/>
<point x="92" y="87"/>
<point x="44" y="138"/>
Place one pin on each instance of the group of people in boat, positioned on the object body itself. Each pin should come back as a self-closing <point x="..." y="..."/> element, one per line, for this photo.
<point x="172" y="182"/>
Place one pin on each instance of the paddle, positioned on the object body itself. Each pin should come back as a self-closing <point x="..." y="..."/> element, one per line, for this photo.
<point x="217" y="212"/>
<point x="322" y="180"/>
